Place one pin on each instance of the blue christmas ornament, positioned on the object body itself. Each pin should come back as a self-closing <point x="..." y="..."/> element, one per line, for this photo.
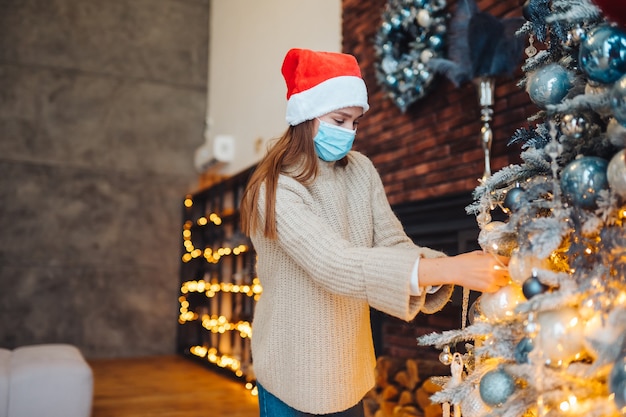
<point x="602" y="54"/>
<point x="532" y="286"/>
<point x="617" y="382"/>
<point x="583" y="179"/>
<point x="496" y="387"/>
<point x="523" y="348"/>
<point x="549" y="84"/>
<point x="513" y="199"/>
<point x="618" y="100"/>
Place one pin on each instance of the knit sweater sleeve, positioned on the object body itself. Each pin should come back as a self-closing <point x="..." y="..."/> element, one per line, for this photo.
<point x="378" y="274"/>
<point x="389" y="232"/>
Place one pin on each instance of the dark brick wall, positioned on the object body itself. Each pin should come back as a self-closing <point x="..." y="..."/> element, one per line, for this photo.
<point x="430" y="152"/>
<point x="434" y="148"/>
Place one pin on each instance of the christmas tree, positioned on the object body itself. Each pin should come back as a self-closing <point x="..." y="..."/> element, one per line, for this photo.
<point x="553" y="342"/>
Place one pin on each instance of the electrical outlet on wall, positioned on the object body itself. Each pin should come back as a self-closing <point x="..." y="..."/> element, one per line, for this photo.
<point x="224" y="148"/>
<point x="219" y="150"/>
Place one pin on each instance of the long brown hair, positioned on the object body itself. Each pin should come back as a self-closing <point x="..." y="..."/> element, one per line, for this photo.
<point x="294" y="149"/>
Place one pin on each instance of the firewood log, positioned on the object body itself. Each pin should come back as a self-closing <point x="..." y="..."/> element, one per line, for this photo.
<point x="406" y="411"/>
<point x="422" y="397"/>
<point x="402" y="379"/>
<point x="406" y="397"/>
<point x="390" y="392"/>
<point x="433" y="410"/>
<point x="412" y="374"/>
<point x="430" y="386"/>
<point x="387" y="408"/>
<point x="382" y="371"/>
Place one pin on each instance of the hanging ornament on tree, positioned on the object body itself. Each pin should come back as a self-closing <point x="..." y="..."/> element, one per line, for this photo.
<point x="618" y="100"/>
<point x="523" y="348"/>
<point x="532" y="286"/>
<point x="500" y="305"/>
<point x="583" y="179"/>
<point x="602" y="332"/>
<point x="574" y="36"/>
<point x="496" y="387"/>
<point x="560" y="337"/>
<point x="513" y="199"/>
<point x="495" y="238"/>
<point x="602" y="54"/>
<point x="473" y="406"/>
<point x="616" y="133"/>
<point x="522" y="265"/>
<point x="574" y="126"/>
<point x="446" y="356"/>
<point x="412" y="33"/>
<point x="549" y="84"/>
<point x="616" y="174"/>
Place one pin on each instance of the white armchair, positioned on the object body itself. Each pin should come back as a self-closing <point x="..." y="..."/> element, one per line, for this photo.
<point x="51" y="380"/>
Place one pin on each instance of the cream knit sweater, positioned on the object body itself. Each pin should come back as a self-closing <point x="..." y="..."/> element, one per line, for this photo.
<point x="340" y="249"/>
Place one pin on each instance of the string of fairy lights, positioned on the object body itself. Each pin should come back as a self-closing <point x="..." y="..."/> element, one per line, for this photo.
<point x="216" y="324"/>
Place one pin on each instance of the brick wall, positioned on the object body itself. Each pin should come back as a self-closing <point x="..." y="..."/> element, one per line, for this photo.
<point x="431" y="151"/>
<point x="434" y="148"/>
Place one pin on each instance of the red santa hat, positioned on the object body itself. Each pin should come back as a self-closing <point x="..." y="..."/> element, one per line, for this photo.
<point x="321" y="82"/>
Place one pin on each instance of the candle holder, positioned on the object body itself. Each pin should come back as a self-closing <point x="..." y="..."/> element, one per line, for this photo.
<point x="486" y="87"/>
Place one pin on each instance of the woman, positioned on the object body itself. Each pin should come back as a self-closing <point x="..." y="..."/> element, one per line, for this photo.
<point x="329" y="247"/>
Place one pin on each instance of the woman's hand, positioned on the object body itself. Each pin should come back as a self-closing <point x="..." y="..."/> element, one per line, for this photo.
<point x="478" y="271"/>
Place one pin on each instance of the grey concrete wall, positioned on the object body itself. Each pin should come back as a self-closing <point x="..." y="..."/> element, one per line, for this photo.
<point x="102" y="105"/>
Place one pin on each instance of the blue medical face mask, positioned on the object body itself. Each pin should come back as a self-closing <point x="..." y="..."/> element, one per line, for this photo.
<point x="333" y="142"/>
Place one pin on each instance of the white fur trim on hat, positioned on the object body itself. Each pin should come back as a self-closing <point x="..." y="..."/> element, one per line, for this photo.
<point x="333" y="94"/>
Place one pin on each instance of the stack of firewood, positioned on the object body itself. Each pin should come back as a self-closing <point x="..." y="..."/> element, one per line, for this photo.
<point x="399" y="392"/>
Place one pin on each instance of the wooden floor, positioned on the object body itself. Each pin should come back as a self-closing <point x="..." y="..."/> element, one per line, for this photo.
<point x="166" y="386"/>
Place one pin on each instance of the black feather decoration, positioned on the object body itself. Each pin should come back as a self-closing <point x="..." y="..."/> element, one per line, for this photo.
<point x="479" y="45"/>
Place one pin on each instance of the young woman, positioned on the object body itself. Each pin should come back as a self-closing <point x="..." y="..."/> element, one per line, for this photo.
<point x="329" y="247"/>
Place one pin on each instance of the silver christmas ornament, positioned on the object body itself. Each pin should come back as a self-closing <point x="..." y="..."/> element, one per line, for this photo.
<point x="574" y="126"/>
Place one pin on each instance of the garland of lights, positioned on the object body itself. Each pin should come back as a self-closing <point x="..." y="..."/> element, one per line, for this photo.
<point x="216" y="324"/>
<point x="412" y="32"/>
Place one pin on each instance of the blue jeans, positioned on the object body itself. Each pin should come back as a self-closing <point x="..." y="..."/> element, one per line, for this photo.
<point x="270" y="406"/>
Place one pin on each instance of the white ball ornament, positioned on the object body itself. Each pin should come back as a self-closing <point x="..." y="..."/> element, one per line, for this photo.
<point x="494" y="238"/>
<point x="426" y="55"/>
<point x="521" y="266"/>
<point x="500" y="305"/>
<point x="616" y="174"/>
<point x="598" y="330"/>
<point x="473" y="406"/>
<point x="424" y="19"/>
<point x="561" y="336"/>
<point x="616" y="133"/>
